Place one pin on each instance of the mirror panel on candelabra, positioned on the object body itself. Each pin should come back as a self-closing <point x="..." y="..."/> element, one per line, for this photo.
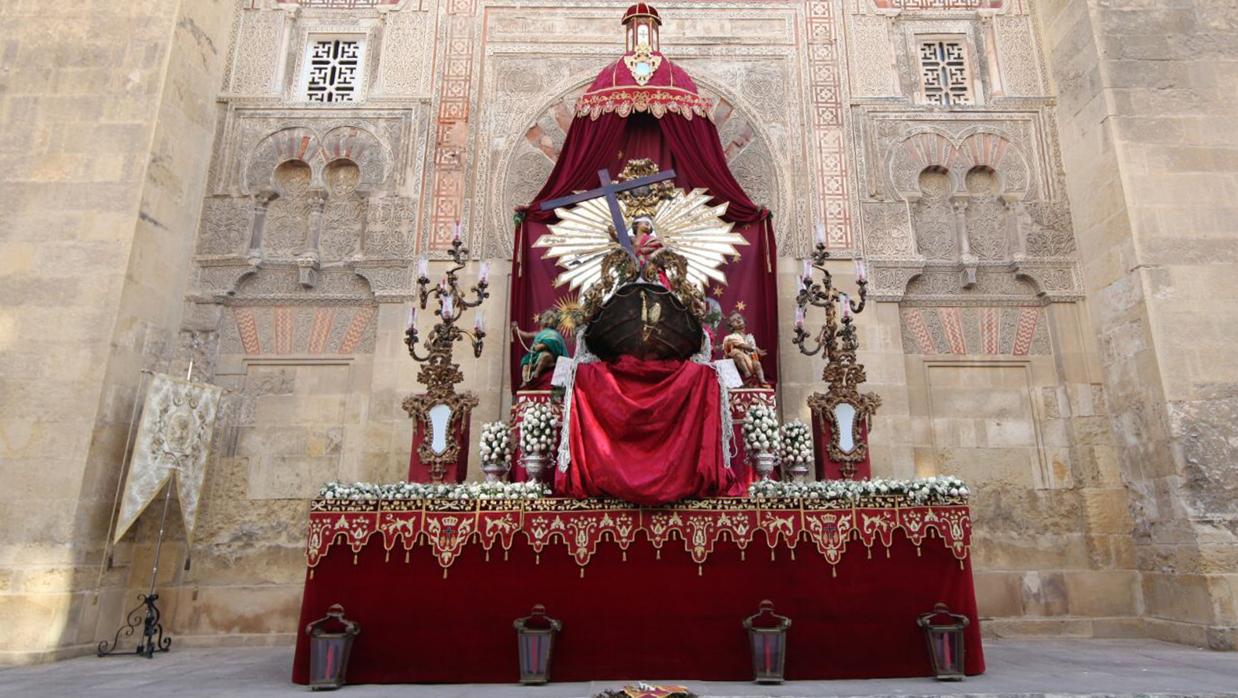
<point x="841" y="416"/>
<point x="440" y="414"/>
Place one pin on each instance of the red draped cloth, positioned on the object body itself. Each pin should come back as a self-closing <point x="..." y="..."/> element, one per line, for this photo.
<point x="646" y="432"/>
<point x="692" y="148"/>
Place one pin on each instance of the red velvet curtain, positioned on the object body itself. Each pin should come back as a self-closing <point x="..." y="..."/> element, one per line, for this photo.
<point x="693" y="149"/>
<point x="647" y="432"/>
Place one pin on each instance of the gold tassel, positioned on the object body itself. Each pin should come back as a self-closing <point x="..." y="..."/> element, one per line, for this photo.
<point x="743" y="555"/>
<point x="444" y="573"/>
<point x="700" y="571"/>
<point x="406" y="557"/>
<point x="658" y="554"/>
<point x="582" y="573"/>
<point x="792" y="554"/>
<point x="961" y="565"/>
<point x="537" y="559"/>
<point x="917" y="551"/>
<point x="354" y="558"/>
<point x="625" y="556"/>
<point x="487" y="555"/>
<point x="311" y="575"/>
<point x="771" y="555"/>
<point x="887" y="553"/>
<point x="387" y="556"/>
<point x="833" y="571"/>
<point x="504" y="554"/>
<point x="870" y="553"/>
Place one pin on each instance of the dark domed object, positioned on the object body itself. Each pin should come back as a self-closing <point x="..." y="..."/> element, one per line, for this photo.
<point x="646" y="321"/>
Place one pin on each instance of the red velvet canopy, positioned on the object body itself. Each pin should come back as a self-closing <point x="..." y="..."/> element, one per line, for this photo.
<point x="666" y="121"/>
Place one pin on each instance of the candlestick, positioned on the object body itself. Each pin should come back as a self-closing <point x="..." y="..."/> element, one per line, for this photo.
<point x="479" y="322"/>
<point x="861" y="273"/>
<point x="846" y="304"/>
<point x="807" y="272"/>
<point x="456" y="233"/>
<point x="483" y="276"/>
<point x="448" y="307"/>
<point x="799" y="317"/>
<point x="412" y="315"/>
<point x="423" y="267"/>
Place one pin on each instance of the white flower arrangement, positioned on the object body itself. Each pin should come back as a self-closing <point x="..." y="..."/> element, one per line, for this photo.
<point x="537" y="429"/>
<point x="495" y="445"/>
<point x="796" y="445"/>
<point x="761" y="433"/>
<point x="367" y="491"/>
<point x="929" y="490"/>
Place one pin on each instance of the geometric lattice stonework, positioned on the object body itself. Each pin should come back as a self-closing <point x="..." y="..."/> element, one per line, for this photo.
<point x="347" y="4"/>
<point x="944" y="75"/>
<point x="333" y="70"/>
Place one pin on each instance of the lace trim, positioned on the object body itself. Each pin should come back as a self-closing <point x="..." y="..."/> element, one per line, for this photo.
<point x="705" y="358"/>
<point x="582" y="356"/>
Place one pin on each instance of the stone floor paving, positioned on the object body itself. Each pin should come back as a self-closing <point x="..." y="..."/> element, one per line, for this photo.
<point x="1015" y="668"/>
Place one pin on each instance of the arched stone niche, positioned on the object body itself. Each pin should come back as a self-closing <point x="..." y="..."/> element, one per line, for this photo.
<point x="526" y="164"/>
<point x="304" y="144"/>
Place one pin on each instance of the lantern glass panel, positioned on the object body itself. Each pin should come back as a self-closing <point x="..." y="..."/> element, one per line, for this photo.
<point x="535" y="651"/>
<point x="844" y="414"/>
<point x="440" y="417"/>
<point x="328" y="660"/>
<point x="768" y="654"/>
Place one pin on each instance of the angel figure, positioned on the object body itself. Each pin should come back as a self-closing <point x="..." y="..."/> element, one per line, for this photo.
<point x="741" y="347"/>
<point x="546" y="347"/>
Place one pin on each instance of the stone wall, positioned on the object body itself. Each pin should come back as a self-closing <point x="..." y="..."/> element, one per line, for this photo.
<point x="1147" y="96"/>
<point x="108" y="114"/>
<point x="925" y="135"/>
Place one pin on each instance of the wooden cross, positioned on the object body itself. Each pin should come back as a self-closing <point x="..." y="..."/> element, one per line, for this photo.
<point x="610" y="190"/>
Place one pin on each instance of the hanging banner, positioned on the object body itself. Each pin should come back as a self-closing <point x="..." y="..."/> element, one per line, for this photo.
<point x="174" y="436"/>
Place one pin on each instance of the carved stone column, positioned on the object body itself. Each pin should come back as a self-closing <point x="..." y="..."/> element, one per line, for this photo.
<point x="960" y="226"/>
<point x="262" y="201"/>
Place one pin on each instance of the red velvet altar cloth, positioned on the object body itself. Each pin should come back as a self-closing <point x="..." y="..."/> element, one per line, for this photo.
<point x="646" y="432"/>
<point x="692" y="148"/>
<point x="641" y="604"/>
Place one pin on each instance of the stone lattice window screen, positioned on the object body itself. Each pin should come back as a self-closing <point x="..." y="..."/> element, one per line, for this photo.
<point x="333" y="69"/>
<point x="945" y="71"/>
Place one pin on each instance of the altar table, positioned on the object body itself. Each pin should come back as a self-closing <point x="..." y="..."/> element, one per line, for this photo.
<point x="643" y="593"/>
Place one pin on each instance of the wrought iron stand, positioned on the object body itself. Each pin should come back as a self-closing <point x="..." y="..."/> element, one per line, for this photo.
<point x="146" y="614"/>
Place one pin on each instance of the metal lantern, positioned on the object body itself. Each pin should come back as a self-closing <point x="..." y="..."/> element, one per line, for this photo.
<point x="535" y="637"/>
<point x="945" y="641"/>
<point x="329" y="651"/>
<point x="768" y="643"/>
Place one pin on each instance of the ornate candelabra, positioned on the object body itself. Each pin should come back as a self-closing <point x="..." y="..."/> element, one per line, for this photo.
<point x="441" y="409"/>
<point x="842" y="407"/>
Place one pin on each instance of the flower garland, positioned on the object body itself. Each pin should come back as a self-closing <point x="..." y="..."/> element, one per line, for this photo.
<point x="796" y="445"/>
<point x="495" y="445"/>
<point x="939" y="489"/>
<point x="761" y="434"/>
<point x="367" y="491"/>
<point x="537" y="429"/>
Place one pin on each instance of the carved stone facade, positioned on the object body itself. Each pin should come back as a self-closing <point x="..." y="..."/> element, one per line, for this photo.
<point x="1013" y="336"/>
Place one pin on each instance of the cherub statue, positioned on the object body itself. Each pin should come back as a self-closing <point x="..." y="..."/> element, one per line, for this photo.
<point x="546" y="347"/>
<point x="742" y="348"/>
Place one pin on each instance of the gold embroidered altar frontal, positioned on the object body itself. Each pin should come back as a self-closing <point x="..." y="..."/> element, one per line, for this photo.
<point x="448" y="526"/>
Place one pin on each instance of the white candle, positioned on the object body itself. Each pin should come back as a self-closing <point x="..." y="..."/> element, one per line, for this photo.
<point x="412" y="315"/>
<point x="479" y="322"/>
<point x="423" y="267"/>
<point x="484" y="274"/>
<point x="456" y="233"/>
<point x="807" y="270"/>
<point x="448" y="307"/>
<point x="845" y="302"/>
<point x="820" y="234"/>
<point x="860" y="272"/>
<point x="799" y="317"/>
